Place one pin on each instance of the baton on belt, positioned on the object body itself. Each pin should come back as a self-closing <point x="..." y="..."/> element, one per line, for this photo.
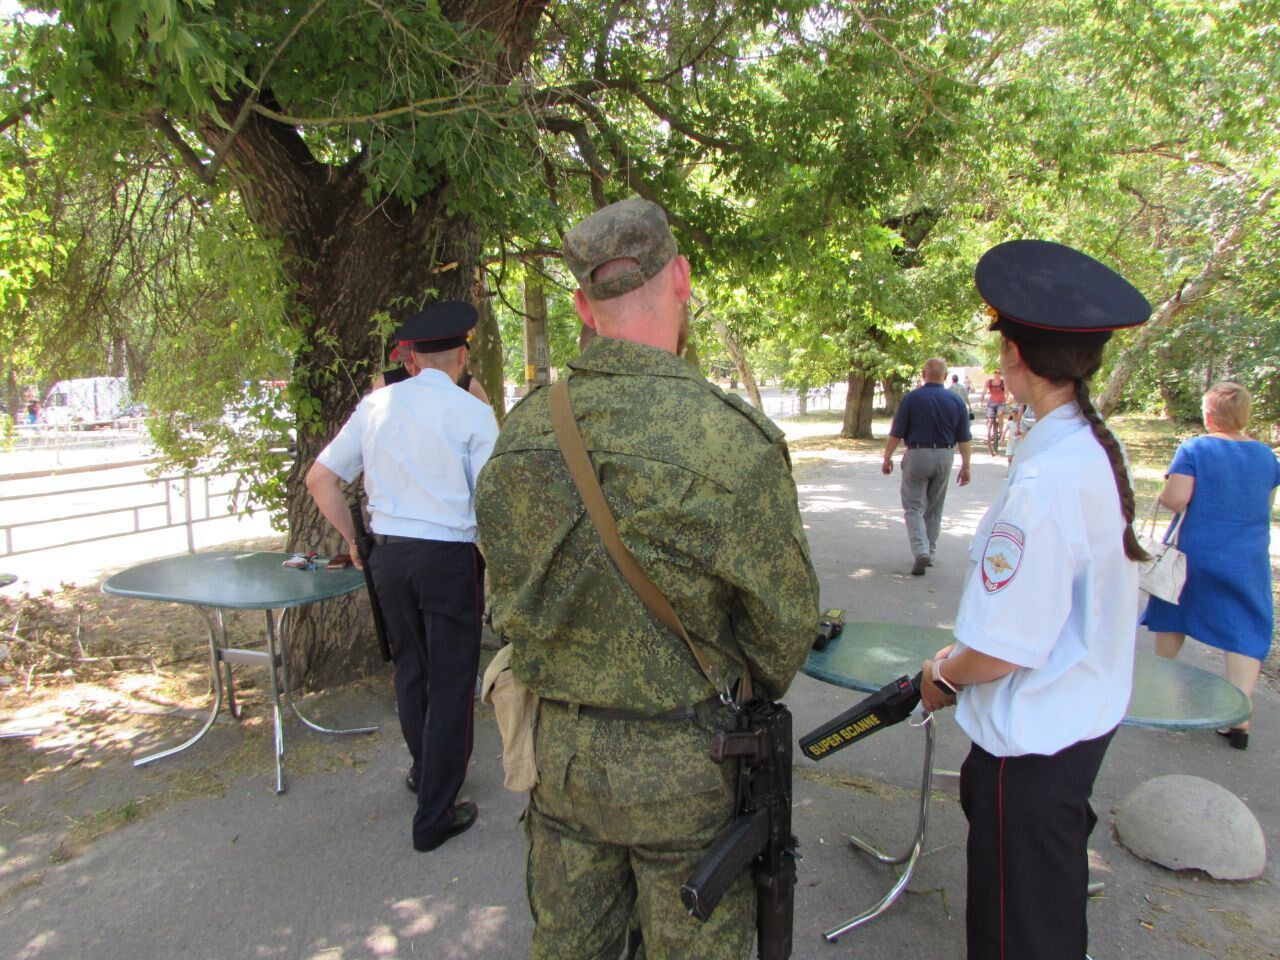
<point x="891" y="704"/>
<point x="364" y="547"/>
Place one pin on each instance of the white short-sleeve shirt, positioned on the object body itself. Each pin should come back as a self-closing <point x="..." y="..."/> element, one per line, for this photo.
<point x="421" y="444"/>
<point x="1053" y="592"/>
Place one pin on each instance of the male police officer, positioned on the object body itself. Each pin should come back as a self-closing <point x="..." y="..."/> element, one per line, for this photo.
<point x="421" y="444"/>
<point x="932" y="422"/>
<point x="628" y="800"/>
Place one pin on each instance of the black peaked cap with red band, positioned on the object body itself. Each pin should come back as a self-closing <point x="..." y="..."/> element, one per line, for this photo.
<point x="441" y="326"/>
<point x="1049" y="291"/>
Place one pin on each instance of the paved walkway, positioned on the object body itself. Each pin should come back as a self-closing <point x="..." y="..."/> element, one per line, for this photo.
<point x="326" y="871"/>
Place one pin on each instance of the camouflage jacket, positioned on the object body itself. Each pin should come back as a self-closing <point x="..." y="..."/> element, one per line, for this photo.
<point x="700" y="484"/>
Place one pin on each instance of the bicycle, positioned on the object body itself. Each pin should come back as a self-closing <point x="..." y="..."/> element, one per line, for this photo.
<point x="995" y="430"/>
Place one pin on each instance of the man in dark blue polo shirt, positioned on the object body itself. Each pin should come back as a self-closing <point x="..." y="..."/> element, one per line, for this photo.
<point x="932" y="422"/>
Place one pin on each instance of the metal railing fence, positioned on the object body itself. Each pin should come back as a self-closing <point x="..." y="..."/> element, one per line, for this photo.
<point x="161" y="503"/>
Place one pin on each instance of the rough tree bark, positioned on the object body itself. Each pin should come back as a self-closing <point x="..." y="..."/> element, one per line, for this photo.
<point x="739" y="357"/>
<point x="1188" y="293"/>
<point x="537" y="353"/>
<point x="485" y="361"/>
<point x="893" y="389"/>
<point x="857" y="407"/>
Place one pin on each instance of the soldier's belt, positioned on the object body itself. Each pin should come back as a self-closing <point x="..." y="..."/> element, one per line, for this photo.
<point x="613" y="713"/>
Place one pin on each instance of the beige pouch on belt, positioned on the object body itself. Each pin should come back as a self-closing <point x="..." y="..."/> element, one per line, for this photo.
<point x="516" y="707"/>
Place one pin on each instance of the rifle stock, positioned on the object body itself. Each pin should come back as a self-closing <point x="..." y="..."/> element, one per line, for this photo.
<point x="364" y="547"/>
<point x="760" y="837"/>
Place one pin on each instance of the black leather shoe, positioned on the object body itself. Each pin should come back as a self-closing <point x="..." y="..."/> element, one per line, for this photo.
<point x="464" y="815"/>
<point x="917" y="569"/>
<point x="1236" y="737"/>
<point x="411" y="783"/>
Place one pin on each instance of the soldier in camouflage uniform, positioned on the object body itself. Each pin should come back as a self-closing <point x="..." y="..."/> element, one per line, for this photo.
<point x="628" y="800"/>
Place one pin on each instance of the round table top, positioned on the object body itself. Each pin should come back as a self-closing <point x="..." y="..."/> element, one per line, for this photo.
<point x="7" y="579"/>
<point x="1167" y="695"/>
<point x="233" y="580"/>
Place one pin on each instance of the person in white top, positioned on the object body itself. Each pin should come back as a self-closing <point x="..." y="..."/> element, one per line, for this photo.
<point x="1043" y="658"/>
<point x="420" y="444"/>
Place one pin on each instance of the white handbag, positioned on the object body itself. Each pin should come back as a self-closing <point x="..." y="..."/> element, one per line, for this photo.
<point x="1165" y="573"/>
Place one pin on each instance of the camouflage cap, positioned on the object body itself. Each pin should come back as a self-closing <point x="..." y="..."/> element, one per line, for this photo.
<point x="633" y="229"/>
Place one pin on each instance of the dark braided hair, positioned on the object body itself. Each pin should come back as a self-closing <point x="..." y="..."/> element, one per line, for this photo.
<point x="1075" y="361"/>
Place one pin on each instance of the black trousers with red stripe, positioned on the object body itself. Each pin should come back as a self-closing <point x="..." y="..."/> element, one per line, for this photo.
<point x="1028" y="859"/>
<point x="432" y="597"/>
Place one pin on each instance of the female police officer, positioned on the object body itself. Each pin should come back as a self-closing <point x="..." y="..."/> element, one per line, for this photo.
<point x="1043" y="659"/>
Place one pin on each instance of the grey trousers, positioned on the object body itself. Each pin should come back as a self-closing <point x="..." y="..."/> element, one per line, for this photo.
<point x="925" y="474"/>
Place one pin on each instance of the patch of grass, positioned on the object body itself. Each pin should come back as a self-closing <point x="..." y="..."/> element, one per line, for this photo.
<point x="834" y="442"/>
<point x="98" y="824"/>
<point x="21" y="887"/>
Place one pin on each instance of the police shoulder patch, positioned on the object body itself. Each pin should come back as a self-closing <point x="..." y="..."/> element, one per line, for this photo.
<point x="1002" y="556"/>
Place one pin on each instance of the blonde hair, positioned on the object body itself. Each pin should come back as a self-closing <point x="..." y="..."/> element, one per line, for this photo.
<point x="1227" y="404"/>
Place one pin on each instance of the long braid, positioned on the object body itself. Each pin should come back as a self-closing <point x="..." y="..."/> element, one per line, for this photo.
<point x="1132" y="549"/>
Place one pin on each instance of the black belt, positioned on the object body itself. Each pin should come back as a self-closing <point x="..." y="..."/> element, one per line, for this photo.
<point x="385" y="538"/>
<point x="930" y="446"/>
<point x="612" y="713"/>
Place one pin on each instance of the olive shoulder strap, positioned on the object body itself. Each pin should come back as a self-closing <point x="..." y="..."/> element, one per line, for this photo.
<point x="584" y="478"/>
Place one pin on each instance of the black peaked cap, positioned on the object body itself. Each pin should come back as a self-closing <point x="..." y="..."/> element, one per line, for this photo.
<point x="1048" y="288"/>
<point x="440" y="326"/>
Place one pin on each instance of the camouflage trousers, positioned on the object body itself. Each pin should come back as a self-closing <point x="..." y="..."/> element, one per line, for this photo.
<point x="623" y="812"/>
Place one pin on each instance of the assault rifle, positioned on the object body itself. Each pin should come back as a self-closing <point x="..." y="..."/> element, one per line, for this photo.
<point x="364" y="547"/>
<point x="891" y="704"/>
<point x="760" y="837"/>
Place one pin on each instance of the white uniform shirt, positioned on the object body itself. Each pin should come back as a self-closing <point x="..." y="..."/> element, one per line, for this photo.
<point x="421" y="444"/>
<point x="1054" y="593"/>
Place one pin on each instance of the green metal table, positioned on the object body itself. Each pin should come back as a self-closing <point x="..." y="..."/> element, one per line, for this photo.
<point x="231" y="580"/>
<point x="1167" y="695"/>
<point x="8" y="579"/>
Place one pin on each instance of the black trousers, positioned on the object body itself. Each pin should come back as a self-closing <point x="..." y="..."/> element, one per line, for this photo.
<point x="431" y="594"/>
<point x="1028" y="859"/>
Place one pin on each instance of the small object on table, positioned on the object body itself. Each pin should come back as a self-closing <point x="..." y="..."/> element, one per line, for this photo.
<point x="829" y="628"/>
<point x="233" y="580"/>
<point x="338" y="562"/>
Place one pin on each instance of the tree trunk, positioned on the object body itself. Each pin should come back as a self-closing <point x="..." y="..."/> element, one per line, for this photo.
<point x="344" y="261"/>
<point x="802" y="398"/>
<point x="13" y="395"/>
<point x="857" y="407"/>
<point x="1189" y="292"/>
<point x="893" y="389"/>
<point x="347" y="255"/>
<point x="537" y="355"/>
<point x="485" y="359"/>
<point x="740" y="361"/>
<point x="691" y="355"/>
<point x="337" y="295"/>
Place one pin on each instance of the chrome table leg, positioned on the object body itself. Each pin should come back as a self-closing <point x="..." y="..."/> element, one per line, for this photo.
<point x="229" y="682"/>
<point x="288" y="695"/>
<point x="911" y="857"/>
<point x="217" y="698"/>
<point x="272" y="657"/>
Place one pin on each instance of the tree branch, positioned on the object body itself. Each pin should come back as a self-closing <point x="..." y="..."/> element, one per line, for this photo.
<point x="1188" y="292"/>
<point x="193" y="162"/>
<point x="577" y="94"/>
<point x="220" y="154"/>
<point x="24" y="111"/>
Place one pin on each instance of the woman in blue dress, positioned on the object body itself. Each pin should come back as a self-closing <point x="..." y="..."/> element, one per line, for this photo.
<point x="1226" y="483"/>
